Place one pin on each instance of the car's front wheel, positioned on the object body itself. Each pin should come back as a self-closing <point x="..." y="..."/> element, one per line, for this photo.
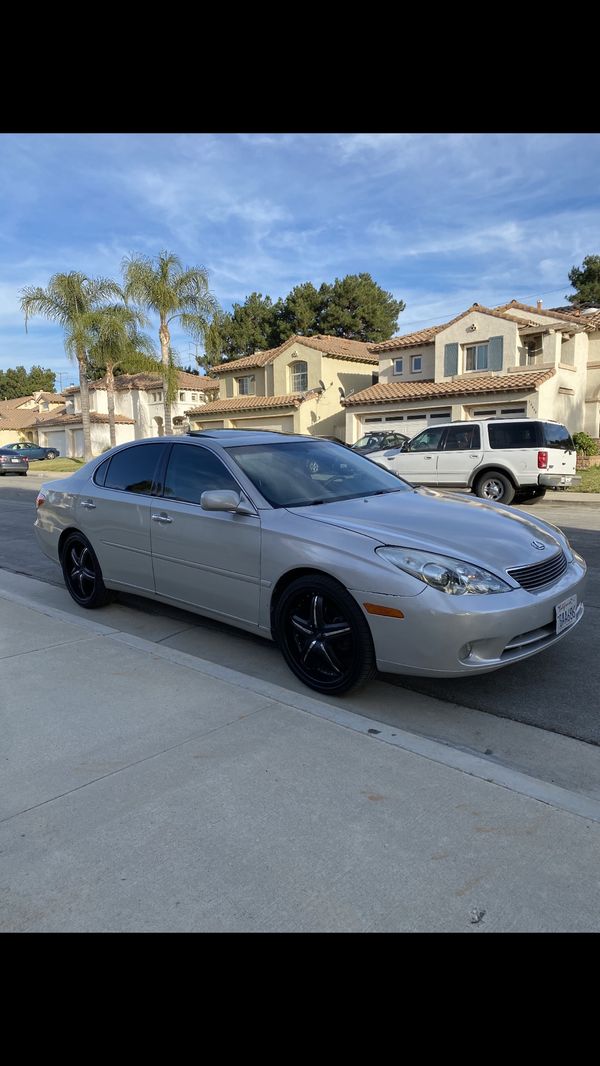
<point x="82" y="573"/>
<point x="323" y="635"/>
<point x="495" y="487"/>
<point x="51" y="455"/>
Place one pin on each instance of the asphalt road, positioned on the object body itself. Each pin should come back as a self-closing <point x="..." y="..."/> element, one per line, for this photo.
<point x="557" y="690"/>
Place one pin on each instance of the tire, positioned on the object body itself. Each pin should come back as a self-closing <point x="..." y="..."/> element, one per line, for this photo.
<point x="82" y="573"/>
<point x="22" y="473"/>
<point x="51" y="455"/>
<point x="534" y="496"/>
<point x="495" y="487"/>
<point x="323" y="635"/>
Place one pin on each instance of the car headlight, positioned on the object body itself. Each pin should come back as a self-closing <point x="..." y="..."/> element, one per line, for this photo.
<point x="454" y="576"/>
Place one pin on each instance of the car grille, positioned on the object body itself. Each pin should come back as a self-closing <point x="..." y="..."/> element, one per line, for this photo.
<point x="539" y="574"/>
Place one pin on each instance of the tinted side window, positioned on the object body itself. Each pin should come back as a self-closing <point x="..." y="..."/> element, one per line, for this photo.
<point x="133" y="469"/>
<point x="557" y="437"/>
<point x="193" y="470"/>
<point x="101" y="472"/>
<point x="460" y="438"/>
<point x="428" y="440"/>
<point x="514" y="434"/>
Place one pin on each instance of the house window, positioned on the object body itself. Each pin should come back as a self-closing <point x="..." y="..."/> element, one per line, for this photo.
<point x="246" y="386"/>
<point x="181" y="397"/>
<point x="298" y="376"/>
<point x="157" y="397"/>
<point x="416" y="364"/>
<point x="194" y="396"/>
<point x="476" y="357"/>
<point x="398" y="366"/>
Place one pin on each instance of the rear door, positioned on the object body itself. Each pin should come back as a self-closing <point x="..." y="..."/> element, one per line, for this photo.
<point x="562" y="457"/>
<point x="207" y="559"/>
<point x="461" y="454"/>
<point x="115" y="516"/>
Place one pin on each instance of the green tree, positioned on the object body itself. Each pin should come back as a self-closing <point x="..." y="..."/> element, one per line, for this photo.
<point x="357" y="308"/>
<point x="303" y="310"/>
<point x="41" y="380"/>
<point x="66" y="300"/>
<point x="116" y="344"/>
<point x="14" y="383"/>
<point x="587" y="282"/>
<point x="166" y="288"/>
<point x="251" y="327"/>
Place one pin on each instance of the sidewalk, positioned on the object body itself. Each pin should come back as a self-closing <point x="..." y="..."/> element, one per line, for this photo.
<point x="145" y="789"/>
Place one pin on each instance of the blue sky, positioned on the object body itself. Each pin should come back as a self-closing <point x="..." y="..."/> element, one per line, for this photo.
<point x="439" y="220"/>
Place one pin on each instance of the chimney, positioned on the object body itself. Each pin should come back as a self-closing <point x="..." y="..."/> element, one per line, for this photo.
<point x="539" y="305"/>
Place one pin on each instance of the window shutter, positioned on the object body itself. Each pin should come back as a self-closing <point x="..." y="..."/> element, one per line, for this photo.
<point x="495" y="350"/>
<point x="450" y="360"/>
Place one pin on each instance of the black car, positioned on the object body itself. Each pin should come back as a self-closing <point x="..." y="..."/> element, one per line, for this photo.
<point x="13" y="462"/>
<point x="376" y="440"/>
<point x="31" y="451"/>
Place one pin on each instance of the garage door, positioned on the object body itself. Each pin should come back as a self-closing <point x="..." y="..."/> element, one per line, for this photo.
<point x="57" y="440"/>
<point x="77" y="445"/>
<point x="409" y="423"/>
<point x="281" y="425"/>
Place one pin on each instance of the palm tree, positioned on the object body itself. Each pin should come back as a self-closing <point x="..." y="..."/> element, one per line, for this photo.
<point x="66" y="300"/>
<point x="115" y="343"/>
<point x="170" y="290"/>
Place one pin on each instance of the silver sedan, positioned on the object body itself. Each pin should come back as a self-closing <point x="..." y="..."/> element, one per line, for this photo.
<point x="302" y="541"/>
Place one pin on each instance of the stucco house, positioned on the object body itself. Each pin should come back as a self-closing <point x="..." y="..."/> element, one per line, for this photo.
<point x="139" y="411"/>
<point x="20" y="416"/>
<point x="297" y="387"/>
<point x="513" y="360"/>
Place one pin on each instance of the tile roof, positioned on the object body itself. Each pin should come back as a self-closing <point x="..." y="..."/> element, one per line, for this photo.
<point x="26" y="417"/>
<point x="564" y="315"/>
<point x="9" y="405"/>
<point x="581" y="314"/>
<point x="58" y="418"/>
<point x="425" y="336"/>
<point x="145" y="382"/>
<point x="425" y="390"/>
<point x="246" y="403"/>
<point x="335" y="347"/>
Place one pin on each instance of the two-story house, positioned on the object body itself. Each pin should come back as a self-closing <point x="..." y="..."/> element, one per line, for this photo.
<point x="297" y="387"/>
<point x="515" y="360"/>
<point x="139" y="411"/>
<point x="20" y="416"/>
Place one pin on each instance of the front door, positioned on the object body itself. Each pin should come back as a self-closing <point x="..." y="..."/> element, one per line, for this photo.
<point x="419" y="463"/>
<point x="205" y="559"/>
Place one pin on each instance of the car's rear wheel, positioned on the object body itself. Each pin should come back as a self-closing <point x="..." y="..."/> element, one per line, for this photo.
<point x="323" y="635"/>
<point x="82" y="573"/>
<point x="495" y="487"/>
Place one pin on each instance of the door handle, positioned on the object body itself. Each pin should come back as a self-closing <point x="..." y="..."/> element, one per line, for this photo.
<point x="428" y="458"/>
<point x="164" y="518"/>
<point x="473" y="457"/>
<point x="89" y="504"/>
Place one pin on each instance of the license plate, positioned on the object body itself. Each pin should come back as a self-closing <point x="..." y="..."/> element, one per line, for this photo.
<point x="565" y="613"/>
<point x="15" y="460"/>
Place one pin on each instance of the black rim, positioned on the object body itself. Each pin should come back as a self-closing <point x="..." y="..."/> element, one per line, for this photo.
<point x="80" y="570"/>
<point x="319" y="638"/>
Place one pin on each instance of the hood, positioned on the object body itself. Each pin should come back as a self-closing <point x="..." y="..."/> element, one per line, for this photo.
<point x="465" y="527"/>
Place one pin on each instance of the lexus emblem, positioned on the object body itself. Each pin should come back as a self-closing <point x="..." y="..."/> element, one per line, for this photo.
<point x="538" y="544"/>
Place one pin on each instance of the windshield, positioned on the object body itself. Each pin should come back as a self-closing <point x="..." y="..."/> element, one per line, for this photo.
<point x="312" y="472"/>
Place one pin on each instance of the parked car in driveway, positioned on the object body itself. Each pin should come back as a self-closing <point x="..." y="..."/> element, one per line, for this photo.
<point x="345" y="565"/>
<point x="12" y="463"/>
<point x="500" y="459"/>
<point x="377" y="440"/>
<point x="32" y="451"/>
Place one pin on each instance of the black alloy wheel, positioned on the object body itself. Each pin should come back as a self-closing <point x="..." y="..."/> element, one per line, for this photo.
<point x="323" y="635"/>
<point x="82" y="573"/>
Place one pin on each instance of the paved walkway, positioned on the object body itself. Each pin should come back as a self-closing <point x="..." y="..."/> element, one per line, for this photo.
<point x="146" y="789"/>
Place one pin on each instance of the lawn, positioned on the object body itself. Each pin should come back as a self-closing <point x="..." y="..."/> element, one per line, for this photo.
<point x="590" y="480"/>
<point x="61" y="464"/>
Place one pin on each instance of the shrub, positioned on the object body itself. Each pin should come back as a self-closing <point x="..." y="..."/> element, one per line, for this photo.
<point x="585" y="444"/>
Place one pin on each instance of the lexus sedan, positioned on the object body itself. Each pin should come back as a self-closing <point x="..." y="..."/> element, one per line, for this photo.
<point x="32" y="451"/>
<point x="302" y="541"/>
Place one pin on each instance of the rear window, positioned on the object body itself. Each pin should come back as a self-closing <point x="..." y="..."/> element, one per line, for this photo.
<point x="514" y="434"/>
<point x="133" y="469"/>
<point x="557" y="437"/>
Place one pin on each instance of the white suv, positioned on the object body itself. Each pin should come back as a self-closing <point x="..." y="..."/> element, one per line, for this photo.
<point x="500" y="459"/>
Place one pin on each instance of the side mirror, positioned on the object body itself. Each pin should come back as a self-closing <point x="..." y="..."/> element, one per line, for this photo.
<point x="225" y="500"/>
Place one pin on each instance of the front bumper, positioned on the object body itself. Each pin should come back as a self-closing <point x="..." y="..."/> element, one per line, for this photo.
<point x="451" y="636"/>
